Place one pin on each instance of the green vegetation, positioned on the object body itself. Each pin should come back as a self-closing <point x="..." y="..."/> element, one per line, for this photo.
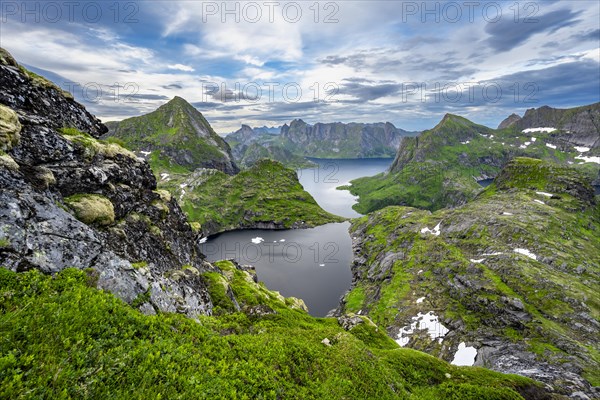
<point x="440" y="167"/>
<point x="265" y="195"/>
<point x="65" y="339"/>
<point x="472" y="274"/>
<point x="92" y="146"/>
<point x="177" y="135"/>
<point x="92" y="209"/>
<point x="10" y="128"/>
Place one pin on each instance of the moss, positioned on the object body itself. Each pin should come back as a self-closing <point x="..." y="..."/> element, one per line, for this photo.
<point x="93" y="147"/>
<point x="355" y="299"/>
<point x="140" y="264"/>
<point x="7" y="162"/>
<point x="10" y="128"/>
<point x="4" y="242"/>
<point x="92" y="209"/>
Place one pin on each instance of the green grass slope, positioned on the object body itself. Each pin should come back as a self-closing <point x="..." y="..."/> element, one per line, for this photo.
<point x="267" y="195"/>
<point x="518" y="266"/>
<point x="62" y="338"/>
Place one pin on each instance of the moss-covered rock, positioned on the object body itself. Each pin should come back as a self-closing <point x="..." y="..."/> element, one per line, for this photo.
<point x="10" y="128"/>
<point x="92" y="209"/>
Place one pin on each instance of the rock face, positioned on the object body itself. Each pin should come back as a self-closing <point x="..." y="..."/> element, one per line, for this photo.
<point x="510" y="121"/>
<point x="176" y="133"/>
<point x="580" y="126"/>
<point x="514" y="273"/>
<point x="134" y="239"/>
<point x="338" y="140"/>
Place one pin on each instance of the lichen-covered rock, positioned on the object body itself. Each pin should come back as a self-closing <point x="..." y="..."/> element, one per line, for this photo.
<point x="70" y="200"/>
<point x="10" y="128"/>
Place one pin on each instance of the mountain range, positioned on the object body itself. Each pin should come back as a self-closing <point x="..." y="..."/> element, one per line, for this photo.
<point x="321" y="140"/>
<point x="441" y="166"/>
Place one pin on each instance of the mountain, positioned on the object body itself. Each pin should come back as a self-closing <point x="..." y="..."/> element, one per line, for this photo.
<point x="579" y="126"/>
<point x="177" y="135"/>
<point x="338" y="140"/>
<point x="105" y="294"/>
<point x="511" y="275"/>
<point x="256" y="152"/>
<point x="266" y="195"/>
<point x="244" y="137"/>
<point x="441" y="166"/>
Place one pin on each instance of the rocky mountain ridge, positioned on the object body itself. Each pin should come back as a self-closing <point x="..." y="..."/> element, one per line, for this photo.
<point x="511" y="275"/>
<point x="71" y="200"/>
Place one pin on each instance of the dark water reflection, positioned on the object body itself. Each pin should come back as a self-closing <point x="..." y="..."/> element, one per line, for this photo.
<point x="312" y="264"/>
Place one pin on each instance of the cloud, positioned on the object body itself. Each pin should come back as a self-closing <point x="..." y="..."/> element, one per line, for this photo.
<point x="507" y="33"/>
<point x="180" y="67"/>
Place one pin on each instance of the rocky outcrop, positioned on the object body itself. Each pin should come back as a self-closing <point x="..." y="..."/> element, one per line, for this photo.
<point x="509" y="121"/>
<point x="578" y="126"/>
<point x="70" y="200"/>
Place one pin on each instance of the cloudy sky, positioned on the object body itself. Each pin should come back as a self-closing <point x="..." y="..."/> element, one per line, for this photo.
<point x="268" y="62"/>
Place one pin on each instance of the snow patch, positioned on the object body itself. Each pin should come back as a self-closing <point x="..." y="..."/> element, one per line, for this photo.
<point x="282" y="240"/>
<point x="533" y="139"/>
<point x="582" y="149"/>
<point x="550" y="145"/>
<point x="321" y="265"/>
<point x="545" y="194"/>
<point x="539" y="201"/>
<point x="435" y="232"/>
<point x="530" y="130"/>
<point x="428" y="321"/>
<point x="420" y="300"/>
<point x="164" y="176"/>
<point x="203" y="240"/>
<point x="589" y="159"/>
<point x="145" y="153"/>
<point x="478" y="261"/>
<point x="467" y="142"/>
<point x="526" y="252"/>
<point x="465" y="355"/>
<point x="507" y="213"/>
<point x="493" y="254"/>
<point x="257" y="240"/>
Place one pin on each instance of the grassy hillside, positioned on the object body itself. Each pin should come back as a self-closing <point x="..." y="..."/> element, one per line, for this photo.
<point x="515" y="269"/>
<point x="440" y="167"/>
<point x="62" y="338"/>
<point x="267" y="195"/>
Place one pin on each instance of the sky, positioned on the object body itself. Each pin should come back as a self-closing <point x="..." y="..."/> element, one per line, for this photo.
<point x="269" y="62"/>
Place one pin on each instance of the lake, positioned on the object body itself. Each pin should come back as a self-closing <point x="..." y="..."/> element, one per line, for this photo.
<point x="311" y="264"/>
<point x="322" y="180"/>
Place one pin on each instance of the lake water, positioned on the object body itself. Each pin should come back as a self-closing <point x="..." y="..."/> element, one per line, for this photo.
<point x="321" y="181"/>
<point x="311" y="264"/>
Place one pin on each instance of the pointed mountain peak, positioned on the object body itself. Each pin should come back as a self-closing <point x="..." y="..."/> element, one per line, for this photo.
<point x="452" y="120"/>
<point x="177" y="102"/>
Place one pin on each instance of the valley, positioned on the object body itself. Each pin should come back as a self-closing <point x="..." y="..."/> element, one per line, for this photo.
<point x="161" y="256"/>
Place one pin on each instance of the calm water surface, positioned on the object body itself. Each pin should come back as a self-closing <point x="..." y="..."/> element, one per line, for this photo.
<point x="312" y="264"/>
<point x="321" y="181"/>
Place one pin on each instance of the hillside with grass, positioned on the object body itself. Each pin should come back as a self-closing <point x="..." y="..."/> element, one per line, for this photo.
<point x="512" y="274"/>
<point x="62" y="338"/>
<point x="441" y="166"/>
